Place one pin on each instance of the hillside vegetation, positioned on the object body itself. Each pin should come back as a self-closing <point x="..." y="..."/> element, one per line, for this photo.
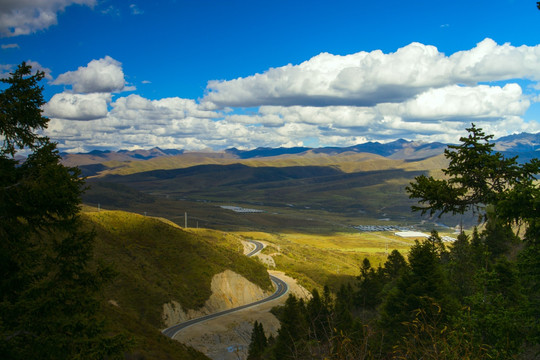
<point x="318" y="260"/>
<point x="347" y="162"/>
<point x="475" y="299"/>
<point x="155" y="262"/>
<point x="309" y="193"/>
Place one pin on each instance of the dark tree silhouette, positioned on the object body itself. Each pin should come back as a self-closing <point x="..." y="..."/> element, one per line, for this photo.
<point x="49" y="304"/>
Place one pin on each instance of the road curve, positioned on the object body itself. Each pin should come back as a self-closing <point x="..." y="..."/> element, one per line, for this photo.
<point x="281" y="289"/>
<point x="258" y="248"/>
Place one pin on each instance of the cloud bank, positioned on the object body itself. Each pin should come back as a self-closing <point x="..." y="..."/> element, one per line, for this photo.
<point x="416" y="93"/>
<point x="23" y="17"/>
<point x="77" y="106"/>
<point x="91" y="91"/>
<point x="367" y="79"/>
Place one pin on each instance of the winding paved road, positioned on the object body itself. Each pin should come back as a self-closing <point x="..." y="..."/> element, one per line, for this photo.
<point x="258" y="247"/>
<point x="281" y="289"/>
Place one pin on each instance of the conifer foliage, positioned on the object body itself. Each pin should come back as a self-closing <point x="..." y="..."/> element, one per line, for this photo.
<point x="258" y="342"/>
<point x="477" y="177"/>
<point x="48" y="284"/>
<point x="476" y="299"/>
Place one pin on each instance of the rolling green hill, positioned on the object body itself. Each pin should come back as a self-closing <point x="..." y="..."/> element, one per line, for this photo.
<point x="309" y="203"/>
<point x="308" y="192"/>
<point x="156" y="262"/>
<point x="345" y="161"/>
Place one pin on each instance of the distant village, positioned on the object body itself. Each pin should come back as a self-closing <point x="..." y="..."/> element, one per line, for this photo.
<point x="402" y="231"/>
<point x="382" y="228"/>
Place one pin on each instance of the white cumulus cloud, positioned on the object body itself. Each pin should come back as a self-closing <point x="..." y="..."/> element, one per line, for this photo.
<point x="23" y="17"/>
<point x="415" y="93"/>
<point x="370" y="78"/>
<point x="99" y="76"/>
<point x="462" y="103"/>
<point x="136" y="107"/>
<point x="77" y="106"/>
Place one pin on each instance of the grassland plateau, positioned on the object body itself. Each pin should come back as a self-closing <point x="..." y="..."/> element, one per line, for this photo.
<point x="307" y="206"/>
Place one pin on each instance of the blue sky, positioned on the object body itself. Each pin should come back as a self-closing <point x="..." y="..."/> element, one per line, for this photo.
<point x="205" y="74"/>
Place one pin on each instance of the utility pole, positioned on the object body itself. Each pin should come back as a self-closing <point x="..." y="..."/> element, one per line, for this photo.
<point x="185" y="220"/>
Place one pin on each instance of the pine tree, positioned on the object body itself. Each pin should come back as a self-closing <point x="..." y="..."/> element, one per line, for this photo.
<point x="498" y="319"/>
<point x="529" y="274"/>
<point x="370" y="284"/>
<point x="394" y="265"/>
<point x="258" y="343"/>
<point x="497" y="237"/>
<point x="343" y="318"/>
<point x="318" y="317"/>
<point x="462" y="267"/>
<point x="49" y="286"/>
<point x="479" y="177"/>
<point x="417" y="289"/>
<point x="290" y="342"/>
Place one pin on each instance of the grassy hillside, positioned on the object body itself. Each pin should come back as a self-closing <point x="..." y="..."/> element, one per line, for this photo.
<point x="314" y="193"/>
<point x="147" y="343"/>
<point x="316" y="260"/>
<point x="369" y="193"/>
<point x="347" y="162"/>
<point x="157" y="262"/>
<point x="327" y="259"/>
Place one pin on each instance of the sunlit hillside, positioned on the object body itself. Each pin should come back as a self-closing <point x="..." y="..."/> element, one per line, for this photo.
<point x="157" y="262"/>
<point x="332" y="260"/>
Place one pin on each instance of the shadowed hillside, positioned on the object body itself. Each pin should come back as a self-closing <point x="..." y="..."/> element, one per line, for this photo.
<point x="369" y="193"/>
<point x="317" y="193"/>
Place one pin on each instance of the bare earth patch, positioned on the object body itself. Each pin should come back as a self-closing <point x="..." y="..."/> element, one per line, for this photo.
<point x="228" y="336"/>
<point x="229" y="290"/>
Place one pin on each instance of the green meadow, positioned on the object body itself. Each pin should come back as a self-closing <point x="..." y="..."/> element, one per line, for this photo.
<point x="327" y="259"/>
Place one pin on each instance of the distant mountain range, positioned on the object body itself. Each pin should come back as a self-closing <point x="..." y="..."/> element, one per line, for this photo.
<point x="524" y="145"/>
<point x="398" y="150"/>
<point x="100" y="156"/>
<point x="366" y="180"/>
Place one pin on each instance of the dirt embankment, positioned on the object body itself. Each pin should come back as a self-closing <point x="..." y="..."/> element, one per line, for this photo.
<point x="228" y="337"/>
<point x="229" y="290"/>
